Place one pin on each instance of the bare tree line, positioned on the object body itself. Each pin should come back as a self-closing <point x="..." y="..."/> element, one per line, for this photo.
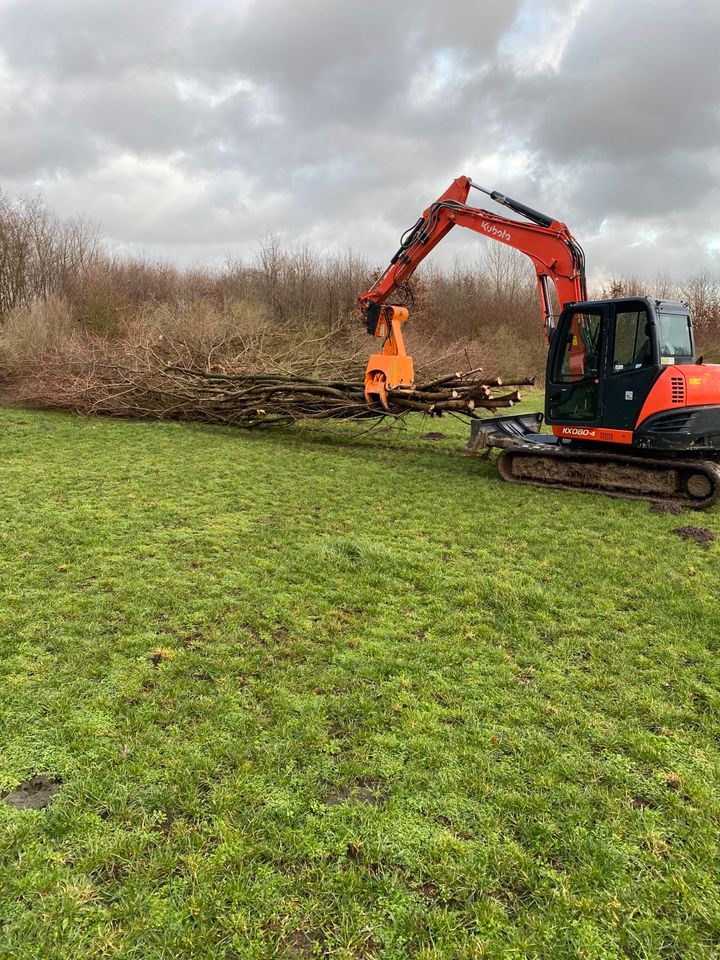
<point x="40" y="252"/>
<point x="59" y="282"/>
<point x="701" y="292"/>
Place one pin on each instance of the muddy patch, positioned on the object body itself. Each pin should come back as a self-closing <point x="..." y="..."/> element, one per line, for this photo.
<point x="675" y="509"/>
<point x="700" y="535"/>
<point x="433" y="435"/>
<point x="114" y="871"/>
<point x="33" y="794"/>
<point x="303" y="943"/>
<point x="452" y="827"/>
<point x="363" y="791"/>
<point x="165" y="825"/>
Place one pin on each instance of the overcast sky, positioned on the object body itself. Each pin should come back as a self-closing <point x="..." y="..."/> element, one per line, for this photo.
<point x="192" y="128"/>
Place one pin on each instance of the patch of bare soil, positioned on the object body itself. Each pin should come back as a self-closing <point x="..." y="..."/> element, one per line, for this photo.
<point x="433" y="435"/>
<point x="364" y="791"/>
<point x="674" y="508"/>
<point x="673" y="781"/>
<point x="33" y="794"/>
<point x="700" y="535"/>
<point x="303" y="943"/>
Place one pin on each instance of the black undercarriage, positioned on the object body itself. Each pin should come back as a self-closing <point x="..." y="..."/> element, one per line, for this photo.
<point x="678" y="472"/>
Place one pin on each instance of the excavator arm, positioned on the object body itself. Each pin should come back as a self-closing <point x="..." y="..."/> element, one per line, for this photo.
<point x="555" y="254"/>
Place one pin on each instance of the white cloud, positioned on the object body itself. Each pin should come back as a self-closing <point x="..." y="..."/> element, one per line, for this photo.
<point x="538" y="39"/>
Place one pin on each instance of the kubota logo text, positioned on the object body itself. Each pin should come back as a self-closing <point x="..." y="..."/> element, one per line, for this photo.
<point x="495" y="231"/>
<point x="578" y="431"/>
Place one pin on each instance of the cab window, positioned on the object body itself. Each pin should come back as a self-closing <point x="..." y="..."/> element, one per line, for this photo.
<point x="632" y="349"/>
<point x="674" y="335"/>
<point x="579" y="355"/>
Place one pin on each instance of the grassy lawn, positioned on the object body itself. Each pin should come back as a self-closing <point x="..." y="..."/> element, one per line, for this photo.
<point x="350" y="697"/>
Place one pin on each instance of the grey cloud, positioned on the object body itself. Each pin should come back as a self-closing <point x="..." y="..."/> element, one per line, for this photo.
<point x="144" y="117"/>
<point x="637" y="78"/>
<point x="88" y="39"/>
<point x="629" y="124"/>
<point x="195" y="126"/>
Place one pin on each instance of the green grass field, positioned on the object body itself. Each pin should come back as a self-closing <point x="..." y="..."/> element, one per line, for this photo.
<point x="347" y="696"/>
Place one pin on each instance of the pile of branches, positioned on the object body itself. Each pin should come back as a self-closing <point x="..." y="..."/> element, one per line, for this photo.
<point x="253" y="381"/>
<point x="267" y="399"/>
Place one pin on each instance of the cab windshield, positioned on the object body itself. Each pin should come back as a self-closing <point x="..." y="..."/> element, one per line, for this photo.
<point x="674" y="335"/>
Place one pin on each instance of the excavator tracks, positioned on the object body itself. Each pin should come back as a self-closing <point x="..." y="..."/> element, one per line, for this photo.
<point x="694" y="484"/>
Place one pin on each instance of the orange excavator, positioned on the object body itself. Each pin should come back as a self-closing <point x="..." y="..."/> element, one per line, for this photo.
<point x="632" y="412"/>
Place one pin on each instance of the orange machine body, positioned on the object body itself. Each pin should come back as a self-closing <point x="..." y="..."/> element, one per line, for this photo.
<point x="601" y="434"/>
<point x="687" y="385"/>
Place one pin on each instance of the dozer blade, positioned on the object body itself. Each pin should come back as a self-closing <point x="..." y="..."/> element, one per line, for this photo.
<point x="506" y="431"/>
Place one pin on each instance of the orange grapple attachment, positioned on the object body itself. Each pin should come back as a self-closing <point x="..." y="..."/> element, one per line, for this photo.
<point x="392" y="367"/>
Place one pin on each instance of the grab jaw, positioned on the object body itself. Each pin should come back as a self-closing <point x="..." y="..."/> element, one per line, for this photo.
<point x="392" y="368"/>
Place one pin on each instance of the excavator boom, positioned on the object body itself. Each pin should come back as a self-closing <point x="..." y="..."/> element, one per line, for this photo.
<point x="555" y="254"/>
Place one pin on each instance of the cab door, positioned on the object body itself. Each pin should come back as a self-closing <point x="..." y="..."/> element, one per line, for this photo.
<point x="632" y="366"/>
<point x="574" y="391"/>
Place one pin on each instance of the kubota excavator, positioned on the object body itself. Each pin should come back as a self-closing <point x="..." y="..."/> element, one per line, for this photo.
<point x="633" y="413"/>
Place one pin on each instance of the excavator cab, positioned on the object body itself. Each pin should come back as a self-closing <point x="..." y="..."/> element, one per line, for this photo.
<point x="617" y="370"/>
<point x="604" y="360"/>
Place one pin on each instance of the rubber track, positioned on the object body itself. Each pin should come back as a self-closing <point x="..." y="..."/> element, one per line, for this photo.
<point x="669" y="473"/>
